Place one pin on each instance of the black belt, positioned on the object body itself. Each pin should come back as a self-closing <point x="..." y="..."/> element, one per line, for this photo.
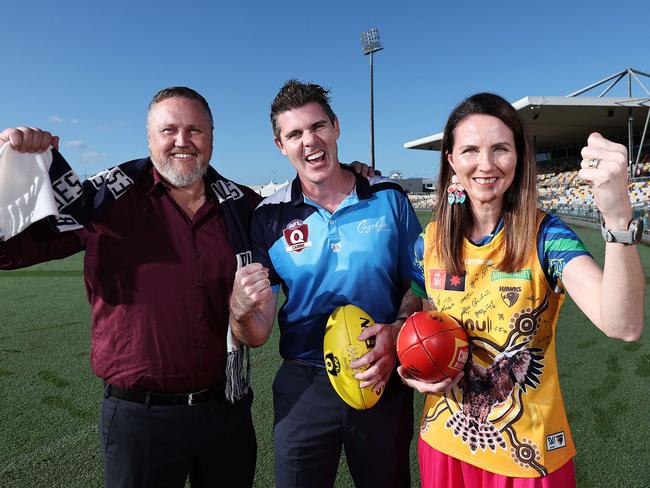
<point x="155" y="398"/>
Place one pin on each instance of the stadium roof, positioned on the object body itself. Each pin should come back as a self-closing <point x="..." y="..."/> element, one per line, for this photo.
<point x="563" y="121"/>
<point x="558" y="122"/>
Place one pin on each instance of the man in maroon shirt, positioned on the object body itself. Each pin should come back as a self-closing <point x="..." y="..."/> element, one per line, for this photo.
<point x="158" y="271"/>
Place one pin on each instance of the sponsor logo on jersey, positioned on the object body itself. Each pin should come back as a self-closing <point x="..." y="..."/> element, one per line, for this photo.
<point x="439" y="279"/>
<point x="367" y="226"/>
<point x="555" y="441"/>
<point x="296" y="235"/>
<point x="524" y="274"/>
<point x="510" y="294"/>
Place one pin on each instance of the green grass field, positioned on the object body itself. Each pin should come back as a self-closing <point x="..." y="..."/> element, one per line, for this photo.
<point x="50" y="400"/>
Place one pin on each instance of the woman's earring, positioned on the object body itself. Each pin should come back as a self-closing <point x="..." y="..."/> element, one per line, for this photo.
<point x="455" y="192"/>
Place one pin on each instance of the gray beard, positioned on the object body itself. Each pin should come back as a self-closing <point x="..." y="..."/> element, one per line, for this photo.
<point x="166" y="170"/>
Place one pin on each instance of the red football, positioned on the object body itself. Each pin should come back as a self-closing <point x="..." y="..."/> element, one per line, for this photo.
<point x="432" y="346"/>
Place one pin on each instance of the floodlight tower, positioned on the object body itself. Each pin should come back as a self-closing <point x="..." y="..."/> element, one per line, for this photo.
<point x="371" y="43"/>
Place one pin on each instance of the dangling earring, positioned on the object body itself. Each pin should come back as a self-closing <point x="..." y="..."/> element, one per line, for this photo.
<point x="455" y="192"/>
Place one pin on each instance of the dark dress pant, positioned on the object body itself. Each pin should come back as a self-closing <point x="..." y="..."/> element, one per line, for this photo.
<point x="312" y="423"/>
<point x="213" y="443"/>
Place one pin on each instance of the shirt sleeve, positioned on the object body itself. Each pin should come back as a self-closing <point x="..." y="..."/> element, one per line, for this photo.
<point x="261" y="247"/>
<point x="37" y="244"/>
<point x="409" y="231"/>
<point x="557" y="245"/>
<point x="417" y="268"/>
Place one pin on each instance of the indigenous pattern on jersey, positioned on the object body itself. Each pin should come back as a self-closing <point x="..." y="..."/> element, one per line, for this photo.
<point x="506" y="415"/>
<point x="361" y="254"/>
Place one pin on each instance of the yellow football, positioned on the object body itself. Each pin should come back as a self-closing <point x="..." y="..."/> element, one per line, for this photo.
<point x="340" y="347"/>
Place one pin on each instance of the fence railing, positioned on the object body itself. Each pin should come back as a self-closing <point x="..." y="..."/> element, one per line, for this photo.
<point x="591" y="215"/>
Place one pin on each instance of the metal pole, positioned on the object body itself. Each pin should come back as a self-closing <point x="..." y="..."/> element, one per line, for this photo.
<point x="587" y="88"/>
<point x="630" y="128"/>
<point x="372" y="117"/>
<point x="645" y="128"/>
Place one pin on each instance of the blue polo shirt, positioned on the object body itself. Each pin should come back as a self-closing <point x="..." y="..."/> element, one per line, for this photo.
<point x="361" y="254"/>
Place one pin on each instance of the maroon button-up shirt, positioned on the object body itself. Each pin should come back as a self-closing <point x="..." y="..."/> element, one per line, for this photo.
<point x="158" y="284"/>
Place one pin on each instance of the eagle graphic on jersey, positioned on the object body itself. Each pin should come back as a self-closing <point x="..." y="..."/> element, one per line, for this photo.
<point x="483" y="388"/>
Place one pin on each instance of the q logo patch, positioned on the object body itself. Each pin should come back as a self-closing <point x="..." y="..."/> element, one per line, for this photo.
<point x="332" y="364"/>
<point x="296" y="235"/>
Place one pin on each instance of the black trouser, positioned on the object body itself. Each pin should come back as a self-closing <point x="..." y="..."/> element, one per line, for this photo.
<point x="160" y="446"/>
<point x="312" y="423"/>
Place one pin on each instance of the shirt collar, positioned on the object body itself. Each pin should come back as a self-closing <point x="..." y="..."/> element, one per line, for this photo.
<point x="488" y="238"/>
<point x="362" y="186"/>
<point x="153" y="180"/>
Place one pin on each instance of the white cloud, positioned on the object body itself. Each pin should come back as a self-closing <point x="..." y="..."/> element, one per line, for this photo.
<point x="93" y="155"/>
<point x="60" y="120"/>
<point x="76" y="144"/>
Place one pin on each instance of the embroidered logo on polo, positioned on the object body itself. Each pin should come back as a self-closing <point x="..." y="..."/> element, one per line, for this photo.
<point x="296" y="235"/>
<point x="366" y="226"/>
<point x="439" y="279"/>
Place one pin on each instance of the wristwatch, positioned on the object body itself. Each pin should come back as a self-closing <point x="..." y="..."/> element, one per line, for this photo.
<point x="630" y="236"/>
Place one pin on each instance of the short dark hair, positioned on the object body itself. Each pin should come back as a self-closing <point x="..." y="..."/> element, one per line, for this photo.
<point x="181" y="92"/>
<point x="295" y="94"/>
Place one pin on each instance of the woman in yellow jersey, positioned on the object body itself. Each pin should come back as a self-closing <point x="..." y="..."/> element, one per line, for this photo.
<point x="500" y="266"/>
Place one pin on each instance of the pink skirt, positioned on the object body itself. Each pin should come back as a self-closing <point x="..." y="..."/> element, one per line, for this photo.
<point x="437" y="470"/>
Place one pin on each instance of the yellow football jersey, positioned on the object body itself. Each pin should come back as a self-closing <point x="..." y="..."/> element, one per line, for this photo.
<point x="506" y="415"/>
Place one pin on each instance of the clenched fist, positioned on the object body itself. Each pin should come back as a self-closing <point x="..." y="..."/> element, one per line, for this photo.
<point x="29" y="139"/>
<point x="604" y="166"/>
<point x="250" y="289"/>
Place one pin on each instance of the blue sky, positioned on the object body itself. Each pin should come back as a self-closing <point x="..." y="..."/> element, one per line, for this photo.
<point x="87" y="70"/>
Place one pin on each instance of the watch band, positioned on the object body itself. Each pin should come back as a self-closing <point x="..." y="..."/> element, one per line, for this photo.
<point x="630" y="236"/>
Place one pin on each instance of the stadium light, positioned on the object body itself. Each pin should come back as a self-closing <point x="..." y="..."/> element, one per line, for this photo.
<point x="370" y="44"/>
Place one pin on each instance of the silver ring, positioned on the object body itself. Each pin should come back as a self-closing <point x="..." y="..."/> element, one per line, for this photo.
<point x="593" y="163"/>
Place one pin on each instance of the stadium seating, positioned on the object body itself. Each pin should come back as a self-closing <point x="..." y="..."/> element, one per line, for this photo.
<point x="560" y="186"/>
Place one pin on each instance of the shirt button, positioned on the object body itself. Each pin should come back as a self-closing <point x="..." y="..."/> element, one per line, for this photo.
<point x="331" y="222"/>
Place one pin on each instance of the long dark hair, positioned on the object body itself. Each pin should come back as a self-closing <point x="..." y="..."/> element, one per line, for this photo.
<point x="454" y="222"/>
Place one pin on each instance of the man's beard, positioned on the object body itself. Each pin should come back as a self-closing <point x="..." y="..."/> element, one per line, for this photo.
<point x="180" y="180"/>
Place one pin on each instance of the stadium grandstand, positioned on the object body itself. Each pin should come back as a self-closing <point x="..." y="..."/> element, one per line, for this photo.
<point x="559" y="127"/>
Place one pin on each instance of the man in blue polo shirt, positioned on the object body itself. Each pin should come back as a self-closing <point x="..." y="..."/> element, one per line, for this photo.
<point x="330" y="238"/>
